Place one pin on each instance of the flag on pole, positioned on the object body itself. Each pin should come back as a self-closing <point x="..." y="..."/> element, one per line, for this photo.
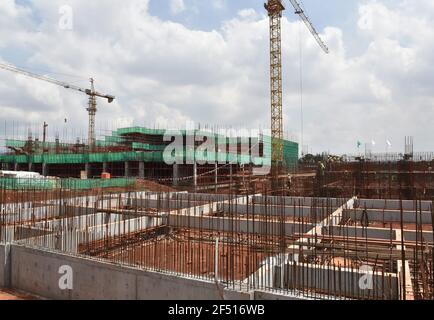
<point x="359" y="144"/>
<point x="389" y="144"/>
<point x="373" y="142"/>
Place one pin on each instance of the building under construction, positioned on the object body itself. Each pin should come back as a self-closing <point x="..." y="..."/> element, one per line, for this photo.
<point x="142" y="153"/>
<point x="182" y="245"/>
<point x="227" y="237"/>
<point x="196" y="214"/>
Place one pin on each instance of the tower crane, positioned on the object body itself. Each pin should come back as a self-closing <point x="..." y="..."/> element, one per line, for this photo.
<point x="92" y="93"/>
<point x="275" y="9"/>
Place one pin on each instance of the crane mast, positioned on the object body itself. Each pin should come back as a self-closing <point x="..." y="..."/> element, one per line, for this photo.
<point x="92" y="114"/>
<point x="92" y="93"/>
<point x="275" y="9"/>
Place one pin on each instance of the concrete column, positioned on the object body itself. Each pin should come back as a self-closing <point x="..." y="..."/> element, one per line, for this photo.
<point x="87" y="168"/>
<point x="175" y="175"/>
<point x="141" y="170"/>
<point x="195" y="174"/>
<point x="30" y="166"/>
<point x="8" y="266"/>
<point x="216" y="176"/>
<point x="5" y="281"/>
<point x="104" y="167"/>
<point x="127" y="169"/>
<point x="230" y="175"/>
<point x="45" y="169"/>
<point x="15" y="166"/>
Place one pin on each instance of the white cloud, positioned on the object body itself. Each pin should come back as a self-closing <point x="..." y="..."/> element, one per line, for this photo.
<point x="177" y="6"/>
<point x="219" y="4"/>
<point x="248" y="13"/>
<point x="164" y="73"/>
<point x="8" y="7"/>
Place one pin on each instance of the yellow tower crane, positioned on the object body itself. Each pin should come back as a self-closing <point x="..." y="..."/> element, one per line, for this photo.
<point x="275" y="9"/>
<point x="92" y="93"/>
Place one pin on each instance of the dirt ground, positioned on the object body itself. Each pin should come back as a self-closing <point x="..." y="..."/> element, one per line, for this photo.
<point x="193" y="253"/>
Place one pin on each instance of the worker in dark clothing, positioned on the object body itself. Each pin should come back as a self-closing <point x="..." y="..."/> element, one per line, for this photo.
<point x="364" y="221"/>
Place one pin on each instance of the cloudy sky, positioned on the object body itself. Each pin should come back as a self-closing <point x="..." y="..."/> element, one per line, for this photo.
<point x="173" y="61"/>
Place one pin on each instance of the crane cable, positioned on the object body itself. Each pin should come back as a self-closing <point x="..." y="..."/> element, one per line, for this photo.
<point x="301" y="88"/>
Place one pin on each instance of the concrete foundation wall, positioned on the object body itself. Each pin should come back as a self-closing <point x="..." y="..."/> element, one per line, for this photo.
<point x="11" y="215"/>
<point x="201" y="197"/>
<point x="426" y="236"/>
<point x="239" y="226"/>
<point x="290" y="201"/>
<point x="372" y="233"/>
<point x="375" y="215"/>
<point x="37" y="272"/>
<point x="334" y="282"/>
<point x="166" y="204"/>
<point x="299" y="212"/>
<point x="82" y="222"/>
<point x="393" y="204"/>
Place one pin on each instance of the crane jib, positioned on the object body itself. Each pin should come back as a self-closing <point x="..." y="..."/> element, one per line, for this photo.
<point x="90" y="92"/>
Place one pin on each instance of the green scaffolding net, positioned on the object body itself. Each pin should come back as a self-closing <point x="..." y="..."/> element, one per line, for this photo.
<point x="227" y="150"/>
<point x="55" y="183"/>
